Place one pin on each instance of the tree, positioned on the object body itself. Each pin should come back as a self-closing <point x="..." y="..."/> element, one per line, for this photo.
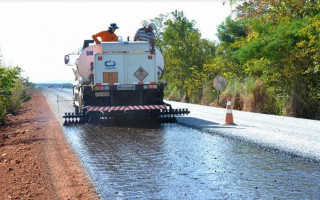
<point x="7" y="80"/>
<point x="159" y="22"/>
<point x="279" y="46"/>
<point x="231" y="30"/>
<point x="273" y="10"/>
<point x="185" y="53"/>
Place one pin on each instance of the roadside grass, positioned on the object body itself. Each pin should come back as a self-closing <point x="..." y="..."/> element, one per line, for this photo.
<point x="19" y="95"/>
<point x="251" y="95"/>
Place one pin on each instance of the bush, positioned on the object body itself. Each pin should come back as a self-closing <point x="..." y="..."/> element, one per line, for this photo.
<point x="209" y="94"/>
<point x="251" y="95"/>
<point x="13" y="91"/>
<point x="173" y="93"/>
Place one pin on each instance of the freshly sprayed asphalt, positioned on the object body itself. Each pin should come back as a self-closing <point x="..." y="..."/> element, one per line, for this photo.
<point x="170" y="161"/>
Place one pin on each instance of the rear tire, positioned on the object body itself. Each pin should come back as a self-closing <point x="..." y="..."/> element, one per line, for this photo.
<point x="94" y="117"/>
<point x="80" y="108"/>
<point x="76" y="109"/>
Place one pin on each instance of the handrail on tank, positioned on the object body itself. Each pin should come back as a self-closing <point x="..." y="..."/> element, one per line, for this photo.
<point x="86" y="43"/>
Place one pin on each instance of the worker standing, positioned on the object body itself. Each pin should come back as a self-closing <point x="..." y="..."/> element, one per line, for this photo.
<point x="146" y="34"/>
<point x="107" y="36"/>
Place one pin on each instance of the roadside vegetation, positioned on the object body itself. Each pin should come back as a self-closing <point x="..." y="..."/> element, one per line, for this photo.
<point x="13" y="91"/>
<point x="268" y="51"/>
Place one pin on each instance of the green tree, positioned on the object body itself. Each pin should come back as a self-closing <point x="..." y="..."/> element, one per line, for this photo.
<point x="7" y="81"/>
<point x="273" y="10"/>
<point x="231" y="30"/>
<point x="185" y="54"/>
<point x="13" y="90"/>
<point x="279" y="46"/>
<point x="159" y="22"/>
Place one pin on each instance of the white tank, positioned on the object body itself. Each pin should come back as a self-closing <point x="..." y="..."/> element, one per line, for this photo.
<point x="86" y="57"/>
<point x="160" y="63"/>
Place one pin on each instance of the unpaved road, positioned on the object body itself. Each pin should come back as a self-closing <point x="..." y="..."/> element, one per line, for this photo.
<point x="36" y="161"/>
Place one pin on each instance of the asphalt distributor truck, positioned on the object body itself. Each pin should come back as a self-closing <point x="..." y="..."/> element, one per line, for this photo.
<point x="118" y="81"/>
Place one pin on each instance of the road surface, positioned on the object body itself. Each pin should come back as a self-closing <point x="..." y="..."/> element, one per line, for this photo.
<point x="171" y="161"/>
<point x="294" y="136"/>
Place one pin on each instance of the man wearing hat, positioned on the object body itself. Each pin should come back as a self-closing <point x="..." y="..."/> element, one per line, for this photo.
<point x="146" y="34"/>
<point x="107" y="36"/>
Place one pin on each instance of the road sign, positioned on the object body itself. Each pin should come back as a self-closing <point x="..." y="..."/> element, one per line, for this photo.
<point x="220" y="82"/>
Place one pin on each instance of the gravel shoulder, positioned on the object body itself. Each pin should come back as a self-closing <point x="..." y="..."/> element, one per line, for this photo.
<point x="289" y="135"/>
<point x="36" y="161"/>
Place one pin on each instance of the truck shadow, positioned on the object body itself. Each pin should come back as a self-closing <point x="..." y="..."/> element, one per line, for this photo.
<point x="156" y="124"/>
<point x="130" y="124"/>
<point x="202" y="124"/>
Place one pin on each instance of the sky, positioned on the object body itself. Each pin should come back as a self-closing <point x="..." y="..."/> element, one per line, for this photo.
<point x="35" y="35"/>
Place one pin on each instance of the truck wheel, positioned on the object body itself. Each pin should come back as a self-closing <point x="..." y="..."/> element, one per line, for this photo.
<point x="94" y="117"/>
<point x="76" y="109"/>
<point x="80" y="108"/>
<point x="161" y="95"/>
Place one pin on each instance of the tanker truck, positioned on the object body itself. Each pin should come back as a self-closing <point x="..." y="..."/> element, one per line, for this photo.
<point x="118" y="81"/>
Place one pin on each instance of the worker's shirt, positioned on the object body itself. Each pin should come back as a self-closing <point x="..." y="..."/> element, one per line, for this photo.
<point x="105" y="36"/>
<point x="142" y="35"/>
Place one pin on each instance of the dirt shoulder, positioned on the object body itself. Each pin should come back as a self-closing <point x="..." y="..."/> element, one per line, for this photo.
<point x="36" y="161"/>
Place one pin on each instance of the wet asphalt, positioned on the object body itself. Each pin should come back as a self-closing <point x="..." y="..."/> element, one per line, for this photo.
<point x="171" y="161"/>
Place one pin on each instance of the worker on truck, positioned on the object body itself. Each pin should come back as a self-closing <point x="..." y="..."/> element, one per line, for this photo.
<point x="146" y="34"/>
<point x="107" y="36"/>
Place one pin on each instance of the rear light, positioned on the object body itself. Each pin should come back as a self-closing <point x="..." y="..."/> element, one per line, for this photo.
<point x="97" y="86"/>
<point x="99" y="57"/>
<point x="150" y="57"/>
<point x="150" y="86"/>
<point x="140" y="83"/>
<point x="101" y="87"/>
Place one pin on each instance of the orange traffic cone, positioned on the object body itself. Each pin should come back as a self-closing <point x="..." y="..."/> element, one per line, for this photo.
<point x="229" y="117"/>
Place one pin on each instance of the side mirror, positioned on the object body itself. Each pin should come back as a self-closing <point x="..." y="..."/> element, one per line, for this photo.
<point x="66" y="59"/>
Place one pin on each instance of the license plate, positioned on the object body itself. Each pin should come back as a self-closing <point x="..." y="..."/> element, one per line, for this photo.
<point x="126" y="87"/>
<point x="110" y="77"/>
<point x="102" y="94"/>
